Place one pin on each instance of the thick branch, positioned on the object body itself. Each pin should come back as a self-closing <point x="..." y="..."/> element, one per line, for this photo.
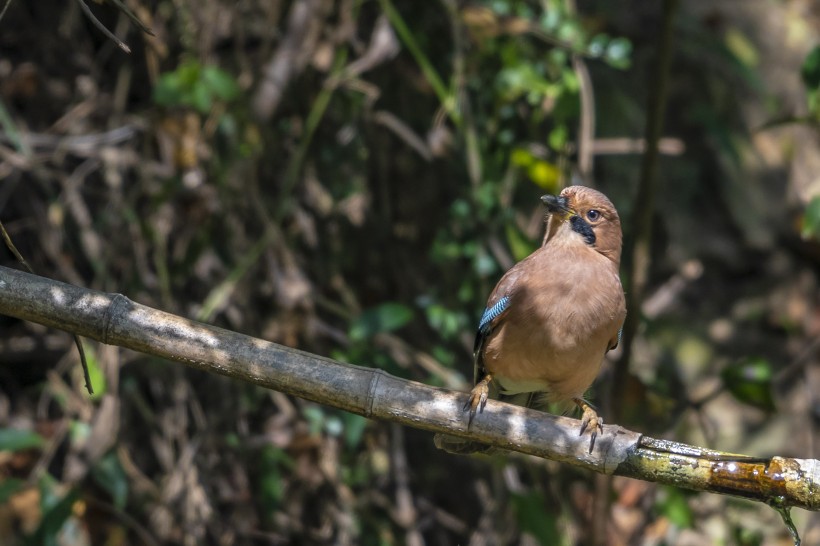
<point x="116" y="320"/>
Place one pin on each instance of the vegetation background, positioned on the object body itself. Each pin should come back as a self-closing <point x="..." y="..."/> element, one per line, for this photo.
<point x="351" y="177"/>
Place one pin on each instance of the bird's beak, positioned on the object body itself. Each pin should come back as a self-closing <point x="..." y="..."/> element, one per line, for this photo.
<point x="556" y="203"/>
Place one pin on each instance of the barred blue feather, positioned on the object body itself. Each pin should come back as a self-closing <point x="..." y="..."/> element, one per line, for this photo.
<point x="491" y="313"/>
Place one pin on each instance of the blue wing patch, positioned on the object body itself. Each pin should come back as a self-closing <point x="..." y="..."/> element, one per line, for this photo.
<point x="491" y="313"/>
<point x="617" y="341"/>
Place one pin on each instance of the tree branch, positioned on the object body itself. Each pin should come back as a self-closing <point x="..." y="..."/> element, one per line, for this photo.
<point x="638" y="255"/>
<point x="116" y="320"/>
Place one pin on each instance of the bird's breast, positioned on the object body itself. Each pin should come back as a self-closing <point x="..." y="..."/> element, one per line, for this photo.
<point x="558" y="328"/>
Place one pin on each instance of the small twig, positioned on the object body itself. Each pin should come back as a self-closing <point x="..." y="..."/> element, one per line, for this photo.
<point x="3" y="13"/>
<point x="638" y="256"/>
<point x="78" y="144"/>
<point x="314" y="117"/>
<point x="442" y="92"/>
<point x="129" y="521"/>
<point x="99" y="25"/>
<point x="13" y="249"/>
<point x="586" y="126"/>
<point x="77" y="341"/>
<point x="463" y="107"/>
<point x="288" y="60"/>
<point x="404" y="132"/>
<point x="134" y="19"/>
<point x="405" y="513"/>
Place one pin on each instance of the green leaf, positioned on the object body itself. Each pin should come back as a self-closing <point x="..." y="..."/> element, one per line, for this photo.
<point x="56" y="512"/>
<point x="12" y="439"/>
<point x="597" y="45"/>
<point x="750" y="381"/>
<point x="811" y="219"/>
<point x="195" y="86"/>
<point x="315" y="416"/>
<point x="810" y="71"/>
<point x="520" y="246"/>
<point x="354" y="429"/>
<point x="384" y="318"/>
<point x="534" y="518"/>
<point x="334" y="426"/>
<point x="8" y="487"/>
<point x="484" y="264"/>
<point x="169" y="90"/>
<point x="446" y="322"/>
<point x="675" y="507"/>
<point x="199" y="98"/>
<point x="558" y="137"/>
<point x="742" y="48"/>
<point x="271" y="486"/>
<point x="95" y="373"/>
<point x="521" y="157"/>
<point x="78" y="432"/>
<point x="220" y="83"/>
<point x="618" y="53"/>
<point x="109" y="475"/>
<point x="543" y="173"/>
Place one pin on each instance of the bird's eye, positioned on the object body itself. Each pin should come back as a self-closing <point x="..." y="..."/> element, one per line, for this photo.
<point x="593" y="215"/>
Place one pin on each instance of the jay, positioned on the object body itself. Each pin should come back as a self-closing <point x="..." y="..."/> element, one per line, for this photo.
<point x="552" y="317"/>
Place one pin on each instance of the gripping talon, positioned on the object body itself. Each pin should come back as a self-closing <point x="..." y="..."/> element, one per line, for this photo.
<point x="589" y="419"/>
<point x="478" y="398"/>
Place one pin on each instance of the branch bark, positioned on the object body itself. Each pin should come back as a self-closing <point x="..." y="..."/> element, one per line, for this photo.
<point x="116" y="320"/>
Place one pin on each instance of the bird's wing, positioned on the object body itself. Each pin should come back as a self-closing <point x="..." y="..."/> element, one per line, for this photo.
<point x="489" y="319"/>
<point x="613" y="344"/>
<point x="497" y="305"/>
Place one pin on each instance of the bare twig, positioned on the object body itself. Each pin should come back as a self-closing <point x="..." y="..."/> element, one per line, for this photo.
<point x="79" y="144"/>
<point x="110" y="35"/>
<point x="638" y="256"/>
<point x="404" y="132"/>
<point x="289" y="59"/>
<point x="77" y="341"/>
<point x="623" y="145"/>
<point x="5" y="7"/>
<point x="134" y="19"/>
<point x="586" y="126"/>
<point x="114" y="319"/>
<point x="463" y="107"/>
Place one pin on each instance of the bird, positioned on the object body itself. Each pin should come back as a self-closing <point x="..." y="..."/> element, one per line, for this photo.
<point x="553" y="316"/>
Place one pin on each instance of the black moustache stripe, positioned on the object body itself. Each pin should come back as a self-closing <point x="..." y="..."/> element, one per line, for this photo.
<point x="581" y="226"/>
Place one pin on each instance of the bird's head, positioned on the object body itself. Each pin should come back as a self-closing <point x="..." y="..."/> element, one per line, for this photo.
<point x="581" y="215"/>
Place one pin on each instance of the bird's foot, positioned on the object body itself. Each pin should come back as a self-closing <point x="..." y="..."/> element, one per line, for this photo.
<point x="589" y="420"/>
<point x="478" y="398"/>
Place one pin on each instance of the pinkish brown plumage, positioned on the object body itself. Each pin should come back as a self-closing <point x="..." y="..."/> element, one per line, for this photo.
<point x="552" y="317"/>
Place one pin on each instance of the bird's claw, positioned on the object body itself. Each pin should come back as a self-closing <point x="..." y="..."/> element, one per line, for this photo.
<point x="478" y="398"/>
<point x="590" y="420"/>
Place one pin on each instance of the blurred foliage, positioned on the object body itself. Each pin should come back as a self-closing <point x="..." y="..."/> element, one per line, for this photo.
<point x="674" y="505"/>
<point x="18" y="439"/>
<point x="750" y="381"/>
<point x="810" y="72"/>
<point x="384" y="318"/>
<point x="195" y="86"/>
<point x="352" y="178"/>
<point x="811" y="219"/>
